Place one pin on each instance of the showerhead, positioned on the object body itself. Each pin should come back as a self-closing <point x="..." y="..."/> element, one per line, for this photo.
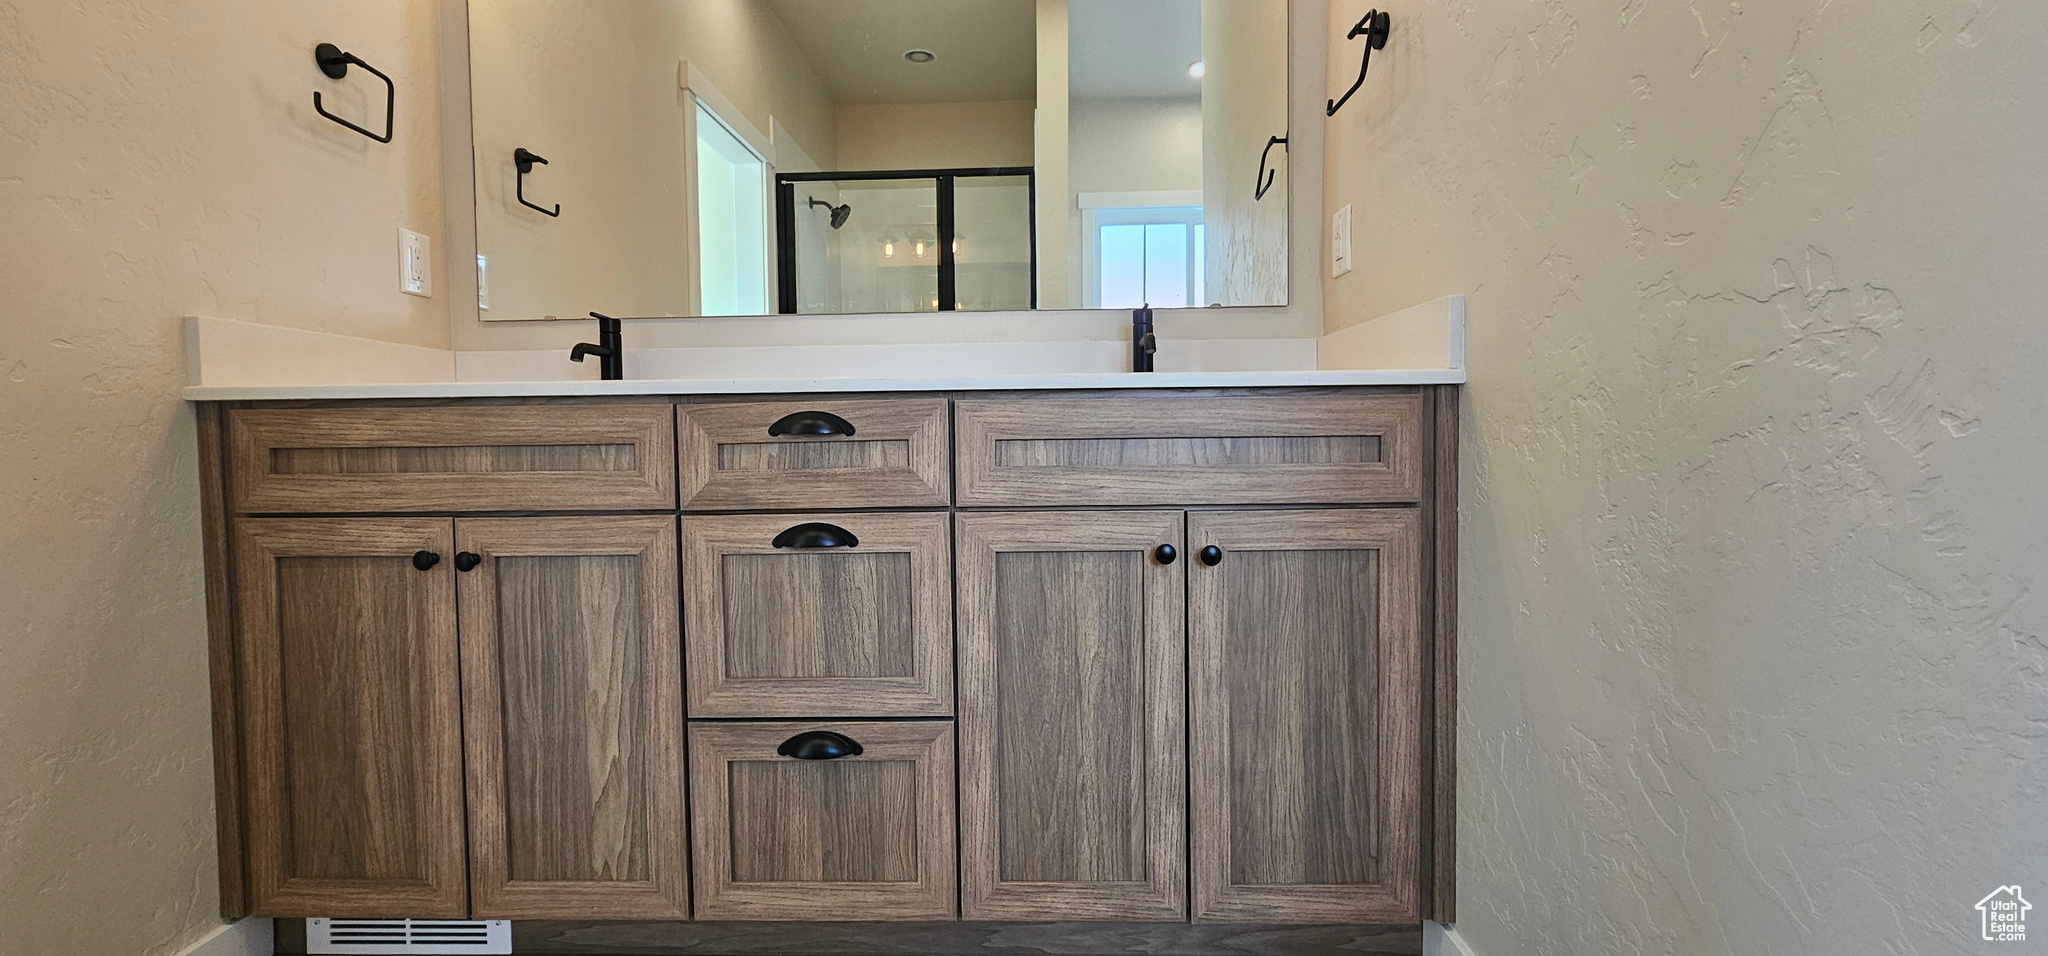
<point x="839" y="213"/>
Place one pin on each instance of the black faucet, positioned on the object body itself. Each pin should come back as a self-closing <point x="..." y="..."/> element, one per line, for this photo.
<point x="1143" y="342"/>
<point x="610" y="349"/>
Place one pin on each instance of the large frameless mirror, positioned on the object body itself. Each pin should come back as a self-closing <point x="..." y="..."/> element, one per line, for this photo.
<point x="749" y="157"/>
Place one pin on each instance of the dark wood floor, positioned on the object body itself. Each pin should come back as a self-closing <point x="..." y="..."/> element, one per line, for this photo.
<point x="560" y="938"/>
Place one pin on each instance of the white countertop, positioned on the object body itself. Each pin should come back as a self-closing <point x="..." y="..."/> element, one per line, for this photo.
<point x="749" y="386"/>
<point x="241" y="361"/>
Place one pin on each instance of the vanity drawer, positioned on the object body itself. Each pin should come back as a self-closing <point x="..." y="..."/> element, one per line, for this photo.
<point x="845" y="615"/>
<point x="453" y="459"/>
<point x="880" y="453"/>
<point x="837" y="836"/>
<point x="1166" y="449"/>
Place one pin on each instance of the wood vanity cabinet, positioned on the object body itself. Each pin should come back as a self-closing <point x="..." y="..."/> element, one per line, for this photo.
<point x="355" y="736"/>
<point x="1073" y="774"/>
<point x="572" y="715"/>
<point x="1138" y="657"/>
<point x="860" y="831"/>
<point x="819" y="615"/>
<point x="351" y="730"/>
<point x="1306" y="697"/>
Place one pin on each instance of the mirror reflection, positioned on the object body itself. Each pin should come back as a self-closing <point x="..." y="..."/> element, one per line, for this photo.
<point x="749" y="157"/>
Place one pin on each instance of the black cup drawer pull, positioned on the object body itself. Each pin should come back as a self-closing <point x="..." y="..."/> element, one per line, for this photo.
<point x="819" y="745"/>
<point x="810" y="423"/>
<point x="815" y="535"/>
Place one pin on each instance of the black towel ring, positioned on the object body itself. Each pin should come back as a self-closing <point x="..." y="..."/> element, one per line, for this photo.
<point x="1265" y="181"/>
<point x="524" y="159"/>
<point x="1374" y="26"/>
<point x="334" y="62"/>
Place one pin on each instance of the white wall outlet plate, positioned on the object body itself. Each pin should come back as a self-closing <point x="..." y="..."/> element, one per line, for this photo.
<point x="415" y="264"/>
<point x="483" y="283"/>
<point x="1340" y="241"/>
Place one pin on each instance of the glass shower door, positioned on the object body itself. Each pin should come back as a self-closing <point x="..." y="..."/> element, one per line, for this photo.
<point x="906" y="241"/>
<point x="864" y="245"/>
<point x="992" y="243"/>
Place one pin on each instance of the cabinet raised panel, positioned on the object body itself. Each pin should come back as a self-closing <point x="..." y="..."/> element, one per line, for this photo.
<point x="842" y="453"/>
<point x="1132" y="449"/>
<point x="573" y="717"/>
<point x="818" y="615"/>
<point x="1305" y="670"/>
<point x="868" y="836"/>
<point x="351" y="732"/>
<point x="1072" y="772"/>
<point x="524" y="457"/>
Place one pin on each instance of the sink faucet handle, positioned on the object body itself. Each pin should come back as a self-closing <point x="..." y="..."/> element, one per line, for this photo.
<point x="1143" y="342"/>
<point x="610" y="348"/>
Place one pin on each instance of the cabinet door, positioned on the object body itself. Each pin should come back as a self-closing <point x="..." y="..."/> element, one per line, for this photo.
<point x="1306" y="685"/>
<point x="841" y="615"/>
<point x="572" y="687"/>
<point x="352" y="720"/>
<point x="823" y="821"/>
<point x="1073" y="792"/>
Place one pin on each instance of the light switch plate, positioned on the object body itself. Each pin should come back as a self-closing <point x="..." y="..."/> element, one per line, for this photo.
<point x="483" y="283"/>
<point x="1340" y="241"/>
<point x="415" y="264"/>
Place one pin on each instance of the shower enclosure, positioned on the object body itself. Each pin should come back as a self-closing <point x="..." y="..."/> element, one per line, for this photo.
<point x="919" y="240"/>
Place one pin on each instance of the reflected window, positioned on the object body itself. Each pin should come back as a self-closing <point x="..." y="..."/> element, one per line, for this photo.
<point x="1146" y="255"/>
<point x="732" y="221"/>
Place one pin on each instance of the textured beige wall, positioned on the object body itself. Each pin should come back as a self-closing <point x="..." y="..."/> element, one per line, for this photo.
<point x="1753" y="528"/>
<point x="1134" y="146"/>
<point x="1056" y="286"/>
<point x="933" y="135"/>
<point x="593" y="88"/>
<point x="1244" y="102"/>
<point x="158" y="158"/>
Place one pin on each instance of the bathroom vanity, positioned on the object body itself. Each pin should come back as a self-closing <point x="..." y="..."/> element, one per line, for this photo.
<point x="1137" y="654"/>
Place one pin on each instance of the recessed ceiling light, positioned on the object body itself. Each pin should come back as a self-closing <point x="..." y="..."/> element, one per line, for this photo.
<point x="920" y="56"/>
<point x="1196" y="69"/>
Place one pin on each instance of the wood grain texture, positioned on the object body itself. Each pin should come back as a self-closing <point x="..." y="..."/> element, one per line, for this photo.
<point x="453" y="459"/>
<point x="351" y="722"/>
<point x="572" y="673"/>
<point x="1444" y="706"/>
<point x="220" y="655"/>
<point x="1305" y="648"/>
<point x="1358" y="447"/>
<point x="828" y="821"/>
<point x="898" y="456"/>
<point x="818" y="614"/>
<point x="963" y="939"/>
<point x="1240" y="452"/>
<point x="868" y="837"/>
<point x="1072" y="763"/>
<point x="844" y="632"/>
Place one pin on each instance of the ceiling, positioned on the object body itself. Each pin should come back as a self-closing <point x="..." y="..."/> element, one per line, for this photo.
<point x="1137" y="49"/>
<point x="987" y="49"/>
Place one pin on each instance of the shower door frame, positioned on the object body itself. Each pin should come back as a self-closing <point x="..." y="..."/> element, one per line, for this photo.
<point x="785" y="223"/>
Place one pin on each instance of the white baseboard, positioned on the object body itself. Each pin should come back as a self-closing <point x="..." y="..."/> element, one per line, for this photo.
<point x="248" y="937"/>
<point x="1441" y="940"/>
